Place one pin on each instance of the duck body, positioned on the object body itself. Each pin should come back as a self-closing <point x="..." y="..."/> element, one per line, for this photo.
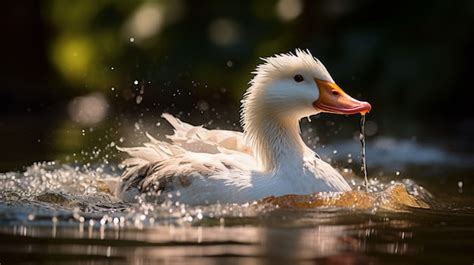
<point x="200" y="166"/>
<point x="199" y="170"/>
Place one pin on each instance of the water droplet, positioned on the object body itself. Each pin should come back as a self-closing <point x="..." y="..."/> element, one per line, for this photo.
<point x="397" y="173"/>
<point x="203" y="105"/>
<point x="91" y="190"/>
<point x="132" y="39"/>
<point x="139" y="99"/>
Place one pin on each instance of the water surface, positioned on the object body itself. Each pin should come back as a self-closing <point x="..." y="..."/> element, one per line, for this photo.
<point x="59" y="213"/>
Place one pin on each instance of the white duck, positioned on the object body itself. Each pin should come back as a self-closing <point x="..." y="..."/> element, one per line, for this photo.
<point x="203" y="166"/>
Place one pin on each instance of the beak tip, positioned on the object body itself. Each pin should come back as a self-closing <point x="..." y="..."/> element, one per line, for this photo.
<point x="365" y="108"/>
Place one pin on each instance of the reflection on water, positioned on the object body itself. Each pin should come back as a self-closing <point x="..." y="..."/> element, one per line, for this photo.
<point x="60" y="213"/>
<point x="329" y="237"/>
<point x="395" y="197"/>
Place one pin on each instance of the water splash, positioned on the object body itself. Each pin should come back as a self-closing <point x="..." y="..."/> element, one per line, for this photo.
<point x="363" y="158"/>
<point x="56" y="194"/>
<point x="51" y="192"/>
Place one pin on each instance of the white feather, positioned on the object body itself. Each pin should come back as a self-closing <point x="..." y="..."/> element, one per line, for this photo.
<point x="205" y="166"/>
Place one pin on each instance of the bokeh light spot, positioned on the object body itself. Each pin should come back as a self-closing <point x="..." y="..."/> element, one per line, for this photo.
<point x="224" y="32"/>
<point x="72" y="56"/>
<point x="88" y="110"/>
<point x="289" y="9"/>
<point x="371" y="128"/>
<point x="146" y="22"/>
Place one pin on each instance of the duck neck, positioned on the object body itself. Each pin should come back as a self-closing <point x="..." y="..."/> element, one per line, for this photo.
<point x="276" y="141"/>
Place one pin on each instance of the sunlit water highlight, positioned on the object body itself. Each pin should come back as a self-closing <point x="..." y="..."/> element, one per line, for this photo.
<point x="58" y="212"/>
<point x="47" y="190"/>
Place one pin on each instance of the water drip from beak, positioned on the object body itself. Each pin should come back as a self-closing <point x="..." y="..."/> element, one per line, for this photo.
<point x="363" y="160"/>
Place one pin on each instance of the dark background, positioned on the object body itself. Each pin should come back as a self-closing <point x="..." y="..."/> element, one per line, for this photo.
<point x="412" y="60"/>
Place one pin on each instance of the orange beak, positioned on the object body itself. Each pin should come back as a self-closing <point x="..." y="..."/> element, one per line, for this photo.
<point x="333" y="99"/>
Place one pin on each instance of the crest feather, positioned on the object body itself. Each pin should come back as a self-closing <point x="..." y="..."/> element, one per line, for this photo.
<point x="285" y="65"/>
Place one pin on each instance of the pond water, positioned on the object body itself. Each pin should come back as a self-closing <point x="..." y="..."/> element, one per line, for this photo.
<point x="58" y="213"/>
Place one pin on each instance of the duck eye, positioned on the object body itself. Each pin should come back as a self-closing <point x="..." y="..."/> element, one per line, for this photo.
<point x="298" y="78"/>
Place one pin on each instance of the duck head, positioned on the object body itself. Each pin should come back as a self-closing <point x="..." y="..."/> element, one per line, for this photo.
<point x="286" y="88"/>
<point x="296" y="86"/>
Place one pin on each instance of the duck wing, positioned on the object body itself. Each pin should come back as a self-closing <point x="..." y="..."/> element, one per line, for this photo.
<point x="199" y="139"/>
<point x="192" y="175"/>
<point x="196" y="157"/>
